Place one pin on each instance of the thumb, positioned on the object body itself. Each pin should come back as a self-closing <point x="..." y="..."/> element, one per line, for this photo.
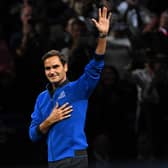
<point x="56" y="105"/>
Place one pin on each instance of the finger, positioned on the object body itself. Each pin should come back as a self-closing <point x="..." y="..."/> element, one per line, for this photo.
<point x="109" y="16"/>
<point x="94" y="21"/>
<point x="67" y="108"/>
<point x="104" y="12"/>
<point x="64" y="105"/>
<point x="67" y="111"/>
<point x="67" y="116"/>
<point x="56" y="106"/>
<point x="100" y="14"/>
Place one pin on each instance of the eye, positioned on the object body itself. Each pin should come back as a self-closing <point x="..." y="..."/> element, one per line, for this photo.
<point x="47" y="68"/>
<point x="55" y="66"/>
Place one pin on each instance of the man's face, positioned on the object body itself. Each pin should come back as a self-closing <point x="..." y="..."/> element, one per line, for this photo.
<point x="54" y="70"/>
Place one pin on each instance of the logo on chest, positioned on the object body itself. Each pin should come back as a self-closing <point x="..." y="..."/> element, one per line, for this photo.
<point x="62" y="95"/>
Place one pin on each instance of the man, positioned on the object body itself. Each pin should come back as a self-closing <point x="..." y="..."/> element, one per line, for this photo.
<point x="60" y="110"/>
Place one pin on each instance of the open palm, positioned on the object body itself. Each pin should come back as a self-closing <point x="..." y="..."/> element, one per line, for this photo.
<point x="103" y="22"/>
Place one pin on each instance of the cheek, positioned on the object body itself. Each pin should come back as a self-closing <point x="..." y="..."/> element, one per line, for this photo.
<point x="46" y="73"/>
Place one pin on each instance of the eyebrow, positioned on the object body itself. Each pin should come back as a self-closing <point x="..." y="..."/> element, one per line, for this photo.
<point x="53" y="66"/>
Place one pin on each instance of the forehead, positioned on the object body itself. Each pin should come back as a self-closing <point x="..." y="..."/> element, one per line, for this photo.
<point x="52" y="60"/>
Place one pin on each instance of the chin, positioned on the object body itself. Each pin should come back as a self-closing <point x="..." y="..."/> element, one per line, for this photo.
<point x="54" y="81"/>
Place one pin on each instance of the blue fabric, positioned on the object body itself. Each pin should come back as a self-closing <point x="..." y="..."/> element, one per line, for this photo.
<point x="68" y="135"/>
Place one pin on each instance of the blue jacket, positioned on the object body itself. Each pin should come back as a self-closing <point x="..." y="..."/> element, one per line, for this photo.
<point x="68" y="135"/>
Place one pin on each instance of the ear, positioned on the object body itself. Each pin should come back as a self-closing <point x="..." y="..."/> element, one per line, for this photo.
<point x="66" y="67"/>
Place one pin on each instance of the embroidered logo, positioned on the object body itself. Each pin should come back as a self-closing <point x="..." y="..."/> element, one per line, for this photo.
<point x="61" y="95"/>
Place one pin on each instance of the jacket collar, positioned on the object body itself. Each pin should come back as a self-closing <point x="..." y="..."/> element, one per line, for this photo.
<point x="50" y="88"/>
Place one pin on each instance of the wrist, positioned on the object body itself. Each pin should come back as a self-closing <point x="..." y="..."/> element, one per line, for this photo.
<point x="102" y="35"/>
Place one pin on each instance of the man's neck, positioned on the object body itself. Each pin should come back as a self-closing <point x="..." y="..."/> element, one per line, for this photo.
<point x="56" y="85"/>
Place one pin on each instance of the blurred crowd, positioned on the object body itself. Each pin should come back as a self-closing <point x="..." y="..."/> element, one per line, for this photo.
<point x="127" y="115"/>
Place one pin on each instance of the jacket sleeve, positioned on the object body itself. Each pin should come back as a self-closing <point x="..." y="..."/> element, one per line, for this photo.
<point x="36" y="119"/>
<point x="89" y="79"/>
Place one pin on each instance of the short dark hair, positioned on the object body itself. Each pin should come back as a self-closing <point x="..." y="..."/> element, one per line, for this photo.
<point x="57" y="53"/>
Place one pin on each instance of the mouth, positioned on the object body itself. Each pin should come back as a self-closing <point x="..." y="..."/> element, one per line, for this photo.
<point x="53" y="77"/>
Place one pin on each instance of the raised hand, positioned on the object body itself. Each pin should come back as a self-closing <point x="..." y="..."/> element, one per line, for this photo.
<point x="103" y="22"/>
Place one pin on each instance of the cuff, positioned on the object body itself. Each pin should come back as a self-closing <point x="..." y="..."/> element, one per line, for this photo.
<point x="38" y="130"/>
<point x="98" y="57"/>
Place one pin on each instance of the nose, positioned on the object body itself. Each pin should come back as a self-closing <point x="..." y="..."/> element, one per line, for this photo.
<point x="52" y="71"/>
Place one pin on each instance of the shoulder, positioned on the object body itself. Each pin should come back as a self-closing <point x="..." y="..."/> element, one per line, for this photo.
<point x="43" y="94"/>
